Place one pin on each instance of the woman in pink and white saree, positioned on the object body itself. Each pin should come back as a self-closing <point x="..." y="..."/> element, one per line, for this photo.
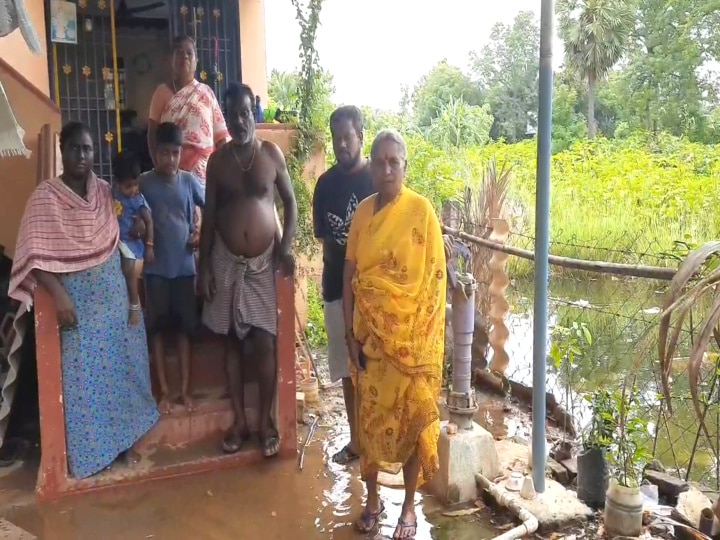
<point x="191" y="105"/>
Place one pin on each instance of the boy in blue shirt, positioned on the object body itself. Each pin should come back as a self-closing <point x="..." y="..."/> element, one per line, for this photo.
<point x="170" y="278"/>
<point x="130" y="206"/>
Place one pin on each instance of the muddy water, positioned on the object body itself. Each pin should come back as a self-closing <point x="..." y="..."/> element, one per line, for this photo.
<point x="271" y="501"/>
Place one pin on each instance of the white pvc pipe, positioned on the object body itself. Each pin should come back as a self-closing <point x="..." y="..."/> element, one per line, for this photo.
<point x="503" y="498"/>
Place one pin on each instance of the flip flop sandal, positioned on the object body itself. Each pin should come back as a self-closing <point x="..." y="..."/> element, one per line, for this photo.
<point x="233" y="442"/>
<point x="405" y="530"/>
<point x="271" y="444"/>
<point x="345" y="456"/>
<point x="368" y="520"/>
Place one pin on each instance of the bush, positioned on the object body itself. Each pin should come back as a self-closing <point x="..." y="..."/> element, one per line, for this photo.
<point x="638" y="195"/>
<point x="315" y="329"/>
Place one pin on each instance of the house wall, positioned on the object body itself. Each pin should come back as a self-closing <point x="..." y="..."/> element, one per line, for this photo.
<point x="18" y="176"/>
<point x="25" y="77"/>
<point x="252" y="46"/>
<point x="16" y="53"/>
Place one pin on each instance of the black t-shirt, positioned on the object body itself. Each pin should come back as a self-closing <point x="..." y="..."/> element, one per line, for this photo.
<point x="336" y="197"/>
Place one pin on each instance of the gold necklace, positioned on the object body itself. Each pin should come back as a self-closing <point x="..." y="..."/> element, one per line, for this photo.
<point x="237" y="158"/>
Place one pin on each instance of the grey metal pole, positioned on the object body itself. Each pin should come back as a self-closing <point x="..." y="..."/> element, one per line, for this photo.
<point x="542" y="244"/>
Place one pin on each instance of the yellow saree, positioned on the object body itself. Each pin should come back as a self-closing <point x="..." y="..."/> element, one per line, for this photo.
<point x="399" y="317"/>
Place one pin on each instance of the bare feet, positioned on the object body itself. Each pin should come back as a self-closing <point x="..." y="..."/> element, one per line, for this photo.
<point x="407" y="524"/>
<point x="188" y="402"/>
<point x="165" y="405"/>
<point x="134" y="317"/>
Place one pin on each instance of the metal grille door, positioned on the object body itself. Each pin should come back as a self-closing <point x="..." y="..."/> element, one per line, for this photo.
<point x="83" y="78"/>
<point x="214" y="24"/>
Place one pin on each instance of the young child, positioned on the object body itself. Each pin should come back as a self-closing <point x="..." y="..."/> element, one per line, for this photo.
<point x="170" y="278"/>
<point x="130" y="206"/>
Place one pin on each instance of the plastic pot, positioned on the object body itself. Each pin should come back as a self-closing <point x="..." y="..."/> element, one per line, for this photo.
<point x="592" y="477"/>
<point x="623" y="510"/>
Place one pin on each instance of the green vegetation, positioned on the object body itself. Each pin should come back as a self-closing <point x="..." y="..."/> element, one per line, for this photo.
<point x="637" y="75"/>
<point x="315" y="329"/>
<point x="612" y="199"/>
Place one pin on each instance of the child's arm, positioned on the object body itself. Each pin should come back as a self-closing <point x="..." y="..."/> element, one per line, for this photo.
<point x="146" y="217"/>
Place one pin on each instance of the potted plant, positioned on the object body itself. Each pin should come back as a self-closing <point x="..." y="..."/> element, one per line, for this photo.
<point x="597" y="439"/>
<point x="629" y="456"/>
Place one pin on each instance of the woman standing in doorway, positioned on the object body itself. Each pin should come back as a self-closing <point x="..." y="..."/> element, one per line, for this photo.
<point x="191" y="105"/>
<point x="68" y="243"/>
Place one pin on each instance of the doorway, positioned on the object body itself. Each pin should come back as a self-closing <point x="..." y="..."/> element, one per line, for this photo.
<point x="132" y="38"/>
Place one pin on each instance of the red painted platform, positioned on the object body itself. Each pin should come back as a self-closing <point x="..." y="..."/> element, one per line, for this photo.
<point x="180" y="443"/>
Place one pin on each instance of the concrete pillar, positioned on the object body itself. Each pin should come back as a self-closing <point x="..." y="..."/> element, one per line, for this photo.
<point x="253" y="54"/>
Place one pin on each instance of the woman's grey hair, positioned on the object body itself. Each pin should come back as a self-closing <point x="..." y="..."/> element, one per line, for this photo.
<point x="389" y="135"/>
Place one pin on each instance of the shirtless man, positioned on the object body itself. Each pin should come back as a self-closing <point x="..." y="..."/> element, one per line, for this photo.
<point x="240" y="245"/>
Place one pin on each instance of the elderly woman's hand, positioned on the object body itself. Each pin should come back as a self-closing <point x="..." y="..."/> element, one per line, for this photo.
<point x="138" y="229"/>
<point x="356" y="354"/>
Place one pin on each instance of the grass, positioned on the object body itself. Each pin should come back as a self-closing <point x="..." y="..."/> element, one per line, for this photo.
<point x="628" y="201"/>
<point x="315" y="329"/>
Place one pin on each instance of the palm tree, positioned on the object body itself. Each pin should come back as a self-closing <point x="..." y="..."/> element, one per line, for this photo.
<point x="596" y="33"/>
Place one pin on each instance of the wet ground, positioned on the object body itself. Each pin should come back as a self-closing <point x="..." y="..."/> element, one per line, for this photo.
<point x="274" y="500"/>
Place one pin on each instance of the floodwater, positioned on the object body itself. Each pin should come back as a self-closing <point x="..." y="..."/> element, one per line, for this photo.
<point x="273" y="500"/>
<point x="622" y="317"/>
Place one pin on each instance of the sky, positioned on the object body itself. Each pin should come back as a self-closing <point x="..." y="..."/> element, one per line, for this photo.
<point x="373" y="47"/>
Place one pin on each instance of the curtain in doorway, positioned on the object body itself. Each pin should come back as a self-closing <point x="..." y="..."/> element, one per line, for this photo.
<point x="13" y="15"/>
<point x="11" y="134"/>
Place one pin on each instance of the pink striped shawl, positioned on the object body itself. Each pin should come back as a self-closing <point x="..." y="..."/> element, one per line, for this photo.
<point x="61" y="232"/>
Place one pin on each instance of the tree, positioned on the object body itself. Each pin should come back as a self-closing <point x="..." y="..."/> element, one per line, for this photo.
<point x="443" y="84"/>
<point x="284" y="94"/>
<point x="568" y="122"/>
<point x="460" y="124"/>
<point x="596" y="34"/>
<point x="506" y="72"/>
<point x="665" y="85"/>
<point x="283" y="89"/>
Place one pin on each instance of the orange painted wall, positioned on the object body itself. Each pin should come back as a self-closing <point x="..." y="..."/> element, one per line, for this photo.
<point x="252" y="46"/>
<point x="306" y="268"/>
<point x="32" y="110"/>
<point x="16" y="53"/>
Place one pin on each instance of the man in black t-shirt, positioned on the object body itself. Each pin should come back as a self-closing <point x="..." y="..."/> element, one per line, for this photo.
<point x="337" y="193"/>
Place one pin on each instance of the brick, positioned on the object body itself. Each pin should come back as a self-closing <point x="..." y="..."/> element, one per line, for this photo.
<point x="667" y="484"/>
<point x="558" y="472"/>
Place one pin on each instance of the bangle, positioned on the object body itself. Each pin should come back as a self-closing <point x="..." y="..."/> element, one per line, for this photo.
<point x="149" y="244"/>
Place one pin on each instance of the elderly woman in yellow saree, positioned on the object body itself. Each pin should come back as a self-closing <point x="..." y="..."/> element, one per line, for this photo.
<point x="394" y="307"/>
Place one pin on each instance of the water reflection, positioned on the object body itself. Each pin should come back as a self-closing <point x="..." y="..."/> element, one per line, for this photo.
<point x="623" y="318"/>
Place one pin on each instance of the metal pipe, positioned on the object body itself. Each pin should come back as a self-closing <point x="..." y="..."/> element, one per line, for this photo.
<point x="311" y="432"/>
<point x="529" y="522"/>
<point x="461" y="398"/>
<point x="542" y="244"/>
<point x="463" y="323"/>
